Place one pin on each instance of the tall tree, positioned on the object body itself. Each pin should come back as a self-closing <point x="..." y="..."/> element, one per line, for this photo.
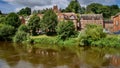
<point x="25" y="11"/>
<point x="74" y="6"/>
<point x="34" y="24"/>
<point x="0" y="12"/>
<point x="115" y="9"/>
<point x="65" y="30"/>
<point x="13" y="20"/>
<point x="49" y="21"/>
<point x="94" y="8"/>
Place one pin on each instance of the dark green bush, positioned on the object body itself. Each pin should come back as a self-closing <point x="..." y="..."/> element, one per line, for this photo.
<point x="65" y="30"/>
<point x="24" y="28"/>
<point x="6" y="32"/>
<point x="21" y="36"/>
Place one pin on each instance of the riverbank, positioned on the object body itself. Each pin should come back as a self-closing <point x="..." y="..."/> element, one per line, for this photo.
<point x="108" y="41"/>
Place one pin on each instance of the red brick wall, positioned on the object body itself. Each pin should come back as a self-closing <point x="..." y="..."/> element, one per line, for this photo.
<point x="85" y="22"/>
<point x="116" y="23"/>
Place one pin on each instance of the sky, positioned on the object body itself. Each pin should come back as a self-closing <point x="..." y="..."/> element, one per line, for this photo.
<point x="7" y="6"/>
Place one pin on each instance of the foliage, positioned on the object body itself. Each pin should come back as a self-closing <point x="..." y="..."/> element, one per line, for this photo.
<point x="94" y="7"/>
<point x="74" y="6"/>
<point x="34" y="24"/>
<point x="25" y="11"/>
<point x="21" y="36"/>
<point x="65" y="30"/>
<point x="13" y="20"/>
<point x="0" y="12"/>
<point x="6" y="32"/>
<point x="2" y="18"/>
<point x="24" y="28"/>
<point x="103" y="9"/>
<point x="91" y="33"/>
<point x="107" y="42"/>
<point x="49" y="21"/>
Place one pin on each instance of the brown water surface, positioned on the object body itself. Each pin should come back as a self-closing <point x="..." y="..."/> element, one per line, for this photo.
<point x="16" y="56"/>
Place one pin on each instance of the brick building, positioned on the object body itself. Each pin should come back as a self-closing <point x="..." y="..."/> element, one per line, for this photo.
<point x="116" y="23"/>
<point x="108" y="25"/>
<point x="91" y="19"/>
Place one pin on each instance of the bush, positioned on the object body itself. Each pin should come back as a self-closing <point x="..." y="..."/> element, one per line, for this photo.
<point x="91" y="33"/>
<point x="21" y="36"/>
<point x="6" y="32"/>
<point x="65" y="30"/>
<point x="23" y="28"/>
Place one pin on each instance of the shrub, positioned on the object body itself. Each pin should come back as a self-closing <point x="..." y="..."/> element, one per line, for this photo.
<point x="65" y="30"/>
<point x="21" y="36"/>
<point x="23" y="28"/>
<point x="6" y="32"/>
<point x="90" y="34"/>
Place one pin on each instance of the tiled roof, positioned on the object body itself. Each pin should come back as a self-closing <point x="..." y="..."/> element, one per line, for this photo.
<point x="91" y="16"/>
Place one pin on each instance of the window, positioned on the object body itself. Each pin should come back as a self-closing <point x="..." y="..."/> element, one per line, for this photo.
<point x="117" y="23"/>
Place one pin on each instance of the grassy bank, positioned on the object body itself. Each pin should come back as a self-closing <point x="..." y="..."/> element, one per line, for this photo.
<point x="52" y="40"/>
<point x="108" y="41"/>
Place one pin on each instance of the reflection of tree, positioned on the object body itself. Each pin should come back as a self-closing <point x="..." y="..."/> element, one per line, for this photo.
<point x="9" y="54"/>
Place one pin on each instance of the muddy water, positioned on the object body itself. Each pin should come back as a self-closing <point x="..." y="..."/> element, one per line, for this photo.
<point x="18" y="56"/>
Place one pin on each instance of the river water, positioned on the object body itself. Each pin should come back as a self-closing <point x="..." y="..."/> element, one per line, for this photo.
<point x="17" y="56"/>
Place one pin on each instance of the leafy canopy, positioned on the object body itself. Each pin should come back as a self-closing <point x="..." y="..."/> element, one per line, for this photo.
<point x="34" y="24"/>
<point x="25" y="11"/>
<point x="74" y="6"/>
<point x="13" y="20"/>
<point x="49" y="21"/>
<point x="65" y="29"/>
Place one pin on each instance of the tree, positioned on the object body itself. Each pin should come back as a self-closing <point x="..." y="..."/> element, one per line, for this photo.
<point x="34" y="24"/>
<point x="13" y="20"/>
<point x="24" y="28"/>
<point x="65" y="30"/>
<point x="94" y="8"/>
<point x="0" y="12"/>
<point x="2" y="18"/>
<point x="6" y="32"/>
<point x="91" y="33"/>
<point x="49" y="21"/>
<point x="74" y="6"/>
<point x="25" y="11"/>
<point x="115" y="9"/>
<point x="21" y="36"/>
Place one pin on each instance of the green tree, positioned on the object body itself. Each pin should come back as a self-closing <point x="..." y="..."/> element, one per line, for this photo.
<point x="21" y="36"/>
<point x="25" y="11"/>
<point x="49" y="21"/>
<point x="91" y="33"/>
<point x="65" y="30"/>
<point x="0" y="12"/>
<point x="115" y="9"/>
<point x="13" y="20"/>
<point x="34" y="24"/>
<point x="2" y="18"/>
<point x="6" y="32"/>
<point x="94" y="8"/>
<point x="24" y="28"/>
<point x="74" y="6"/>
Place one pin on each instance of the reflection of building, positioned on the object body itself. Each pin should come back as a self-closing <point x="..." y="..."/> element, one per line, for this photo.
<point x="116" y="22"/>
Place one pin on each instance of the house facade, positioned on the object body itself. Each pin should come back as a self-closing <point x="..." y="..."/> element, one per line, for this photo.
<point x="91" y="19"/>
<point x="116" y="23"/>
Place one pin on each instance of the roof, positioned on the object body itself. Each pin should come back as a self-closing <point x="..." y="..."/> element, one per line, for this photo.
<point x="116" y="14"/>
<point x="91" y="16"/>
<point x="70" y="16"/>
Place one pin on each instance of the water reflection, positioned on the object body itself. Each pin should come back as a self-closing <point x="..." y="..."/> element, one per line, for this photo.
<point x="28" y="57"/>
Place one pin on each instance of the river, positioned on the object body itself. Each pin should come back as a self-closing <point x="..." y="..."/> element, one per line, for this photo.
<point x="17" y="56"/>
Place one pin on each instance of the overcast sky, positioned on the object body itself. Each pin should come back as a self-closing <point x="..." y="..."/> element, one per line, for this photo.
<point x="15" y="5"/>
